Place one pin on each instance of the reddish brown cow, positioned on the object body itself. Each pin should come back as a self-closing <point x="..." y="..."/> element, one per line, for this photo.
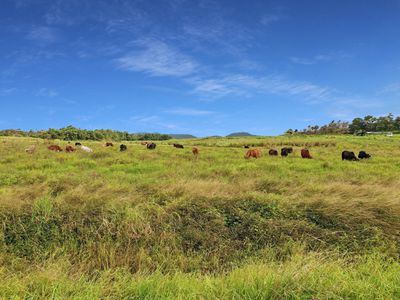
<point x="143" y="143"/>
<point x="69" y="149"/>
<point x="55" y="148"/>
<point x="273" y="152"/>
<point x="195" y="151"/>
<point x="256" y="153"/>
<point x="305" y="154"/>
<point x="109" y="145"/>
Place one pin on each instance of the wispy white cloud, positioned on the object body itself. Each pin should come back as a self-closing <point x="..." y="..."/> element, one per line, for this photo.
<point x="46" y="92"/>
<point x="216" y="88"/>
<point x="42" y="34"/>
<point x="152" y="121"/>
<point x="7" y="91"/>
<point x="23" y="3"/>
<point x="145" y="119"/>
<point x="245" y="85"/>
<point x="188" y="112"/>
<point x="212" y="34"/>
<point x="268" y="19"/>
<point x="393" y="88"/>
<point x="114" y="16"/>
<point x="156" y="58"/>
<point x="311" y="61"/>
<point x="319" y="58"/>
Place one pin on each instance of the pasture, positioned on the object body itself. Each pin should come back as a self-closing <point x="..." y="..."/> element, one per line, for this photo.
<point x="153" y="224"/>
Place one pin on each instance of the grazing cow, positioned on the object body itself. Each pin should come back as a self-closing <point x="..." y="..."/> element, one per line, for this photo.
<point x="253" y="153"/>
<point x="363" y="155"/>
<point x="195" y="151"/>
<point x="305" y="153"/>
<point x="273" y="152"/>
<point x="109" y="145"/>
<point x="151" y="146"/>
<point x="178" y="146"/>
<point x="246" y="146"/>
<point x="55" y="148"/>
<point x="31" y="149"/>
<point x="123" y="148"/>
<point x="143" y="143"/>
<point x="86" y="149"/>
<point x="288" y="149"/>
<point x="69" y="149"/>
<point x="78" y="144"/>
<point x="349" y="155"/>
<point x="285" y="151"/>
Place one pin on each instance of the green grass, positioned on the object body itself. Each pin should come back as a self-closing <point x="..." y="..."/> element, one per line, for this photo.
<point x="162" y="224"/>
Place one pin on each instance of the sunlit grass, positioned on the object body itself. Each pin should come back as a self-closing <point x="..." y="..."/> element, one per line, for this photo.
<point x="163" y="224"/>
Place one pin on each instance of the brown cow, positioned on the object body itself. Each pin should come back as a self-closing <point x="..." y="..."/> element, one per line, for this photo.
<point x="143" y="143"/>
<point x="195" y="151"/>
<point x="256" y="153"/>
<point x="109" y="145"/>
<point x="305" y="153"/>
<point x="273" y="152"/>
<point x="69" y="149"/>
<point x="55" y="148"/>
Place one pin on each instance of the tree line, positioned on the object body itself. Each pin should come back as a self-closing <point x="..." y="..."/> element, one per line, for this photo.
<point x="71" y="133"/>
<point x="359" y="126"/>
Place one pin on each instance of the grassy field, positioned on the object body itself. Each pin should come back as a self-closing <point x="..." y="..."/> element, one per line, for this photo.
<point x="162" y="224"/>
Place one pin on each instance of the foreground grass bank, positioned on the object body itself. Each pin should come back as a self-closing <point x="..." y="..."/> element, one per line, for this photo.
<point x="163" y="224"/>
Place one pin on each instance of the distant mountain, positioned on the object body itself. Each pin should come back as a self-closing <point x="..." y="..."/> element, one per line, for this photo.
<point x="238" y="134"/>
<point x="182" y="136"/>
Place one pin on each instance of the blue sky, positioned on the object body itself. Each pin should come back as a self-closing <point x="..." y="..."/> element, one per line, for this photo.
<point x="202" y="67"/>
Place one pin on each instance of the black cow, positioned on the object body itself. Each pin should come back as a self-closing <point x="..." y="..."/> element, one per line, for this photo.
<point x="286" y="151"/>
<point x="123" y="148"/>
<point x="246" y="146"/>
<point x="178" y="146"/>
<point x="349" y="155"/>
<point x="151" y="146"/>
<point x="78" y="144"/>
<point x="363" y="155"/>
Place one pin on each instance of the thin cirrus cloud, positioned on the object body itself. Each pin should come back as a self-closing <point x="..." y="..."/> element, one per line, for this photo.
<point x="393" y="88"/>
<point x="269" y="19"/>
<point x="156" y="58"/>
<point x="311" y="61"/>
<point x="188" y="112"/>
<point x="43" y="34"/>
<point x="245" y="85"/>
<point x="152" y="120"/>
<point x="46" y="92"/>
<point x="7" y="91"/>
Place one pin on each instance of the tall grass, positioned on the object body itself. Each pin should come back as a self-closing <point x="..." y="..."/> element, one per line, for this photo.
<point x="163" y="224"/>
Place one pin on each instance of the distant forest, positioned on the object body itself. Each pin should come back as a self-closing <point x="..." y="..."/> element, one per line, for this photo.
<point x="71" y="133"/>
<point x="359" y="126"/>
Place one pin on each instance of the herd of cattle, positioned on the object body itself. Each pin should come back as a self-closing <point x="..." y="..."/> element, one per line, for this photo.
<point x="122" y="148"/>
<point x="305" y="153"/>
<point x="255" y="153"/>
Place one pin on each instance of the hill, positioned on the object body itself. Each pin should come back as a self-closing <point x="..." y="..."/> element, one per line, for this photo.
<point x="156" y="224"/>
<point x="182" y="136"/>
<point x="239" y="134"/>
